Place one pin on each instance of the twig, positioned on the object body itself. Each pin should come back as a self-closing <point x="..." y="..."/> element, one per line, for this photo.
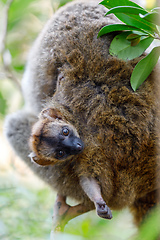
<point x="5" y="24"/>
<point x="6" y="65"/>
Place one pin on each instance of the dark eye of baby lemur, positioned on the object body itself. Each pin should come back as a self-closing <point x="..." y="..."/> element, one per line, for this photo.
<point x="60" y="154"/>
<point x="65" y="131"/>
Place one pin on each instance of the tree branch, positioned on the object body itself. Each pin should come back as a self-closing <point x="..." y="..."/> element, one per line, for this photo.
<point x="6" y="61"/>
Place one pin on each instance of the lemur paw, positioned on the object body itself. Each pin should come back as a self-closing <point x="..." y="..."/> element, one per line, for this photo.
<point x="103" y="210"/>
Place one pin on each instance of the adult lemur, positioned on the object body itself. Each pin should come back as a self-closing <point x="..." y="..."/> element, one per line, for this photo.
<point x="81" y="118"/>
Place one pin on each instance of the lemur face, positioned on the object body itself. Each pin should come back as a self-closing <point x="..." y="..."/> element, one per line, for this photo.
<point x="54" y="139"/>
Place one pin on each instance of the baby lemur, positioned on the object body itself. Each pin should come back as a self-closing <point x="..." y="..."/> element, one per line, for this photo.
<point x="88" y="134"/>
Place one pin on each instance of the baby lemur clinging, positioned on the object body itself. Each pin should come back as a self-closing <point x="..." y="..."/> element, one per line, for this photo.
<point x="96" y="135"/>
<point x="53" y="139"/>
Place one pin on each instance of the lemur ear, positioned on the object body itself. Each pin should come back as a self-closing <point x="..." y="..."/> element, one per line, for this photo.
<point x="51" y="114"/>
<point x="39" y="161"/>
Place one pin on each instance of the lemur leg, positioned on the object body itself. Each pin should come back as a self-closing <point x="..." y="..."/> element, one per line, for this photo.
<point x="93" y="191"/>
<point x="64" y="212"/>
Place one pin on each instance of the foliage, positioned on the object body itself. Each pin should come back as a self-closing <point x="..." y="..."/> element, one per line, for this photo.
<point x="150" y="230"/>
<point x="23" y="213"/>
<point x="140" y="29"/>
<point x="26" y="213"/>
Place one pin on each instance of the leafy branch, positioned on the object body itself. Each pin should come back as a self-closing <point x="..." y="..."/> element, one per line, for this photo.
<point x="139" y="30"/>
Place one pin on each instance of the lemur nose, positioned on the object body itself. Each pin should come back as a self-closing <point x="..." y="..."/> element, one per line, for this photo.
<point x="79" y="147"/>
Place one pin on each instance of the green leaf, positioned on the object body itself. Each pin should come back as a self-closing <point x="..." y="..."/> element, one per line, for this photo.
<point x="134" y="39"/>
<point x="132" y="36"/>
<point x="137" y="21"/>
<point x="114" y="3"/>
<point x="144" y="68"/>
<point x="152" y="17"/>
<point x="127" y="10"/>
<point x="115" y="27"/>
<point x="140" y="33"/>
<point x="158" y="28"/>
<point x="121" y="47"/>
<point x="156" y="9"/>
<point x="132" y="20"/>
<point x="135" y="42"/>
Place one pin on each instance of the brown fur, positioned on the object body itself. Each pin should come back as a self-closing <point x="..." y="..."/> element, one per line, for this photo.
<point x="117" y="127"/>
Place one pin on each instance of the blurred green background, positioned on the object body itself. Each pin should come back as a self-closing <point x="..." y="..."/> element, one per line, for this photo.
<point x="26" y="203"/>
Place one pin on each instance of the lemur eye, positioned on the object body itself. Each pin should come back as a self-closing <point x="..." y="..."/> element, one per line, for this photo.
<point x="65" y="131"/>
<point x="60" y="154"/>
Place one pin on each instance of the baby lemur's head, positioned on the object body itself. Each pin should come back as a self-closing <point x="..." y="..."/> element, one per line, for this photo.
<point x="53" y="139"/>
